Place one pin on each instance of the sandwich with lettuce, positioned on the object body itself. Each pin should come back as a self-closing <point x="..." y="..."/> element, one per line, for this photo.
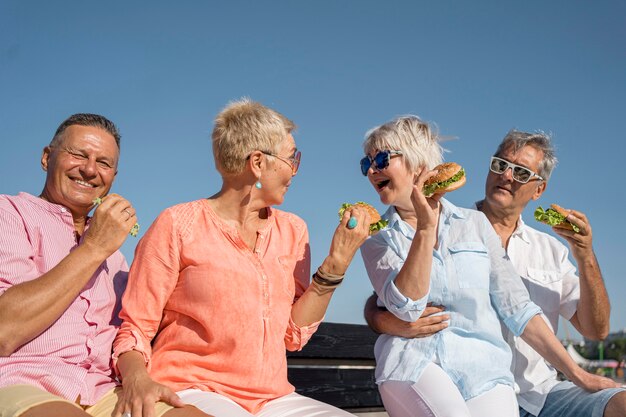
<point x="376" y="222"/>
<point x="449" y="177"/>
<point x="555" y="216"/>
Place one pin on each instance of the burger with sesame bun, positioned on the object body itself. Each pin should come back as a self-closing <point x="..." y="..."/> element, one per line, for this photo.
<point x="449" y="177"/>
<point x="376" y="223"/>
<point x="555" y="216"/>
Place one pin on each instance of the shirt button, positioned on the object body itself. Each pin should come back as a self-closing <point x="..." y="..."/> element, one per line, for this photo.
<point x="63" y="209"/>
<point x="263" y="277"/>
<point x="265" y="295"/>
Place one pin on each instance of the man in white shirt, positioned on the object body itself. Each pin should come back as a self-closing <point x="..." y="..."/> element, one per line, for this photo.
<point x="519" y="172"/>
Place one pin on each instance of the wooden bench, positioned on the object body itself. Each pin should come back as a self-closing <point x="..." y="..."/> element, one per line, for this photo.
<point x="337" y="367"/>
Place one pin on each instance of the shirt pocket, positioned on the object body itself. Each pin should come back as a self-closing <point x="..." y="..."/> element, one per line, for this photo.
<point x="544" y="287"/>
<point x="472" y="264"/>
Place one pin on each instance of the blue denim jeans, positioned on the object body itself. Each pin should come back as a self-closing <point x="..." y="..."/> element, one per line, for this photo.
<point x="568" y="400"/>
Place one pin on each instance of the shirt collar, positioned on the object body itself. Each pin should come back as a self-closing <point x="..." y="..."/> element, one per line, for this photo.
<point x="52" y="207"/>
<point x="395" y="221"/>
<point x="449" y="210"/>
<point x="45" y="204"/>
<point x="521" y="230"/>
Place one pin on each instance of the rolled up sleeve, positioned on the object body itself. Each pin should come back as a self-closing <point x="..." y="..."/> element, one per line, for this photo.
<point x="297" y="337"/>
<point x="383" y="265"/>
<point x="518" y="321"/>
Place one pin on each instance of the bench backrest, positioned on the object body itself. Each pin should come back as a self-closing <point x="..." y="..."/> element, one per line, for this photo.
<point x="337" y="366"/>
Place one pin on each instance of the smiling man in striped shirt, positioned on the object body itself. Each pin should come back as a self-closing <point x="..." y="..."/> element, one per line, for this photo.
<point x="62" y="275"/>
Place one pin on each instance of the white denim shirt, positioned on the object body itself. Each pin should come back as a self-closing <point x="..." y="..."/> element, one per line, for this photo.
<point x="472" y="276"/>
<point x="544" y="266"/>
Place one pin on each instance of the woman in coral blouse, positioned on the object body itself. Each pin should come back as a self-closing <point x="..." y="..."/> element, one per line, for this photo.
<point x="219" y="287"/>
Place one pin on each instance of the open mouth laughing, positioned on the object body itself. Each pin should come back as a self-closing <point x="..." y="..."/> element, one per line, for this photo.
<point x="380" y="185"/>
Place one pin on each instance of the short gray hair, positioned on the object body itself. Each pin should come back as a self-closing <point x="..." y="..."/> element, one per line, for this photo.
<point x="415" y="138"/>
<point x="516" y="140"/>
<point x="86" y="119"/>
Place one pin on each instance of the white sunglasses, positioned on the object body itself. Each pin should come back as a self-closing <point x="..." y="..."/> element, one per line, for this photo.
<point x="520" y="174"/>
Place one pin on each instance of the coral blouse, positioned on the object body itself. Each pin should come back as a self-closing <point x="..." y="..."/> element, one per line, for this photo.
<point x="207" y="312"/>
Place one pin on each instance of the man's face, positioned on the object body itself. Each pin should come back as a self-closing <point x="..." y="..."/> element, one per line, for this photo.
<point x="80" y="168"/>
<point x="503" y="192"/>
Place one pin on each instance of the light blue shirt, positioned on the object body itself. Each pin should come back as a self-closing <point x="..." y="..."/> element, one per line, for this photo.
<point x="473" y="278"/>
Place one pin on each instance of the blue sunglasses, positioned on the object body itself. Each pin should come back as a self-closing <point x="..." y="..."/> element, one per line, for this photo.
<point x="379" y="161"/>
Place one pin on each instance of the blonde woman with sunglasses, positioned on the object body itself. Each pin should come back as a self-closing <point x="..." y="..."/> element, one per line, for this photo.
<point x="435" y="252"/>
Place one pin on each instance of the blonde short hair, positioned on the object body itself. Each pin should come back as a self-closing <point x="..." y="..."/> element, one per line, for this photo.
<point x="245" y="126"/>
<point x="418" y="142"/>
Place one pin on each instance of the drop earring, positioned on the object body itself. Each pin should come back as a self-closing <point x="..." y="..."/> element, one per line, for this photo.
<point x="258" y="184"/>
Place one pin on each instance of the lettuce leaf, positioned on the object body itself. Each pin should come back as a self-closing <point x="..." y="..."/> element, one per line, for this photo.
<point x="552" y="218"/>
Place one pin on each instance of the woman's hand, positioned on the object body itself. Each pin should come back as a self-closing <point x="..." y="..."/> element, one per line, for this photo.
<point x="311" y="306"/>
<point x="426" y="208"/>
<point x="347" y="241"/>
<point x="140" y="394"/>
<point x="433" y="320"/>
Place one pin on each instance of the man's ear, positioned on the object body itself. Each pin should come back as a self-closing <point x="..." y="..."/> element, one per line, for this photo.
<point x="45" y="156"/>
<point x="540" y="189"/>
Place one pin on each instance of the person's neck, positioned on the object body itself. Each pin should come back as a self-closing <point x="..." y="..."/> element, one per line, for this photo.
<point x="407" y="213"/>
<point x="503" y="220"/>
<point x="237" y="206"/>
<point x="79" y="223"/>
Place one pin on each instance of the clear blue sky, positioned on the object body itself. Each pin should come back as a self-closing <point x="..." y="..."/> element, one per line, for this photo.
<point x="163" y="70"/>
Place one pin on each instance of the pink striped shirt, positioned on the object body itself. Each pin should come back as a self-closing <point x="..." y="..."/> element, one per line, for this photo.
<point x="73" y="356"/>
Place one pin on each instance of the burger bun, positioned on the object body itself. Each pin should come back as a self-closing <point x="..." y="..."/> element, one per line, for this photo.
<point x="376" y="223"/>
<point x="373" y="213"/>
<point x="444" y="172"/>
<point x="563" y="212"/>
